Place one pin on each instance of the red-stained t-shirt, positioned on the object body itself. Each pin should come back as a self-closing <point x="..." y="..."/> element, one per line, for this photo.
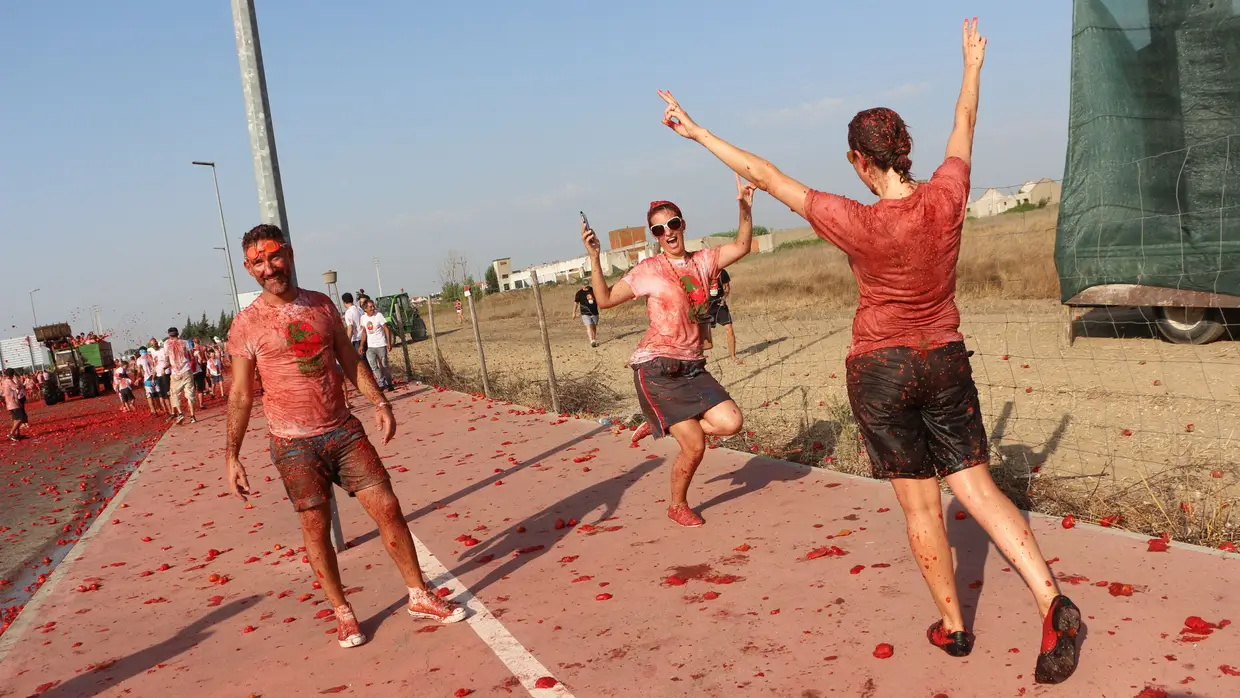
<point x="677" y="301"/>
<point x="903" y="253"/>
<point x="179" y="358"/>
<point x="292" y="347"/>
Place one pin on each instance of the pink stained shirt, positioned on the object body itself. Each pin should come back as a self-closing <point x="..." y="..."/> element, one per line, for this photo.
<point x="677" y="297"/>
<point x="903" y="253"/>
<point x="179" y="359"/>
<point x="12" y="393"/>
<point x="291" y="345"/>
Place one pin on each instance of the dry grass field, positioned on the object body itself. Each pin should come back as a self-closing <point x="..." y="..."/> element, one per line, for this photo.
<point x="1117" y="424"/>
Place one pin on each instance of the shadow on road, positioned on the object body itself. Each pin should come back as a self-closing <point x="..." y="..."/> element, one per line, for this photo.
<point x="110" y="673"/>
<point x="540" y="528"/>
<point x="756" y="474"/>
<point x="483" y="483"/>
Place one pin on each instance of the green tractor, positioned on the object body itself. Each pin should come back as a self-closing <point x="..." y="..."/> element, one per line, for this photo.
<point x="401" y="313"/>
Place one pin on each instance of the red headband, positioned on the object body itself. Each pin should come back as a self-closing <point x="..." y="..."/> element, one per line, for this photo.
<point x="655" y="205"/>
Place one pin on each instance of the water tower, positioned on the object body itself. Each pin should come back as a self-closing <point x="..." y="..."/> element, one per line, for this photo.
<point x="329" y="278"/>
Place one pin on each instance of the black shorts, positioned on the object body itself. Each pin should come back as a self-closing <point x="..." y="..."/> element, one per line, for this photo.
<point x="918" y="411"/>
<point x="126" y="395"/>
<point x="672" y="391"/>
<point x="720" y="315"/>
<point x="200" y="382"/>
<point x="163" y="386"/>
<point x="19" y="415"/>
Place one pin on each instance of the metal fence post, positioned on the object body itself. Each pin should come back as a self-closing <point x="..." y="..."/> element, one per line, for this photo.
<point x="404" y="344"/>
<point x="482" y="357"/>
<point x="542" y="326"/>
<point x="430" y="315"/>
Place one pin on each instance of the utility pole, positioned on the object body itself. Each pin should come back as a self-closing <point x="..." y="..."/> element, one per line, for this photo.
<point x="377" y="277"/>
<point x="271" y="207"/>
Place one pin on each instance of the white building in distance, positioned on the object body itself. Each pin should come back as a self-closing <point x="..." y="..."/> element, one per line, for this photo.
<point x="992" y="202"/>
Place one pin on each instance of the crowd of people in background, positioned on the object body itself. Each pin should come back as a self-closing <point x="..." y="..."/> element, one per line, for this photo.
<point x="177" y="376"/>
<point x="370" y="332"/>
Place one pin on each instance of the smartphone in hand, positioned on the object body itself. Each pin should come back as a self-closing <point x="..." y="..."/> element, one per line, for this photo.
<point x="592" y="240"/>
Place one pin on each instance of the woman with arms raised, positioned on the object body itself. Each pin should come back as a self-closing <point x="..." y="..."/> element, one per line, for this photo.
<point x="677" y="395"/>
<point x="909" y="380"/>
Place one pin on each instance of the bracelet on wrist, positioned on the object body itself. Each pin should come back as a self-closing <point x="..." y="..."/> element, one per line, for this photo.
<point x="385" y="403"/>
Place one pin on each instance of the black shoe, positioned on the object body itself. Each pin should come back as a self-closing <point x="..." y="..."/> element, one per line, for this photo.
<point x="957" y="644"/>
<point x="1059" y="653"/>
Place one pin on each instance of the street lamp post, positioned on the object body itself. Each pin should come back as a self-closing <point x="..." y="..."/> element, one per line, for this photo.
<point x="223" y="229"/>
<point x="32" y="313"/>
<point x="29" y="344"/>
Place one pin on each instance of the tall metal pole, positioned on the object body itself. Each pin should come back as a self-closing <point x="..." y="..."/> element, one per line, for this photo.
<point x="33" y="314"/>
<point x="271" y="207"/>
<point x="377" y="277"/>
<point x="232" y="280"/>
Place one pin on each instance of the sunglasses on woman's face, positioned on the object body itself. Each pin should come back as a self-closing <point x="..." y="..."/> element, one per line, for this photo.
<point x="674" y="224"/>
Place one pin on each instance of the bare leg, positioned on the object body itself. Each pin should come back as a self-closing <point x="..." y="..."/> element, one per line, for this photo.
<point x="692" y="442"/>
<point x="927" y="536"/>
<point x="732" y="344"/>
<point x="724" y="419"/>
<point x="381" y="503"/>
<point x="316" y="532"/>
<point x="1009" y="530"/>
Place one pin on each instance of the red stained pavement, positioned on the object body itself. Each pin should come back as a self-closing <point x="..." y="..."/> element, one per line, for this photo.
<point x="577" y="560"/>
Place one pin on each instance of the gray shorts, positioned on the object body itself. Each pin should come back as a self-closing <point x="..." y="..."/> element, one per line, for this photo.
<point x="589" y="320"/>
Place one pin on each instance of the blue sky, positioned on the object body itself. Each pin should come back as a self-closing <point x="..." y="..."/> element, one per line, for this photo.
<point x="408" y="129"/>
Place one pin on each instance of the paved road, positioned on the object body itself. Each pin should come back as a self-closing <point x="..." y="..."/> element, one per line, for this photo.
<point x="53" y="483"/>
<point x="597" y="606"/>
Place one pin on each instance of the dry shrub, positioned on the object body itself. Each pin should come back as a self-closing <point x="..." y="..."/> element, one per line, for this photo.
<point x="1188" y="503"/>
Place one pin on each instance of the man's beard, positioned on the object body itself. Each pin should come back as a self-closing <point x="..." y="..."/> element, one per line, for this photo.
<point x="276" y="283"/>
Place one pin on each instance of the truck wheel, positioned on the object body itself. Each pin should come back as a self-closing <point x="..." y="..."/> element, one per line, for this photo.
<point x="1190" y="325"/>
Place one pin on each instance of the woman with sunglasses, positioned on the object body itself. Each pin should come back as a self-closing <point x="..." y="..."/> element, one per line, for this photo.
<point x="677" y="395"/>
<point x="909" y="379"/>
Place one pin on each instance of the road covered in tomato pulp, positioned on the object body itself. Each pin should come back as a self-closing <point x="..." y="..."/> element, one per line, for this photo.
<point x="55" y="482"/>
<point x="553" y="532"/>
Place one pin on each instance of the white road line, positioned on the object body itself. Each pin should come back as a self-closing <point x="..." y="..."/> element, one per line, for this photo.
<point x="513" y="654"/>
<point x="30" y="612"/>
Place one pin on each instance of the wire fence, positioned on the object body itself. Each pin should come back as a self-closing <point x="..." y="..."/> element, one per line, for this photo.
<point x="1106" y="422"/>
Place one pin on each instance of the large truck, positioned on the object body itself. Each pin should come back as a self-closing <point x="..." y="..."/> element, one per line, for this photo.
<point x="1149" y="217"/>
<point x="82" y="369"/>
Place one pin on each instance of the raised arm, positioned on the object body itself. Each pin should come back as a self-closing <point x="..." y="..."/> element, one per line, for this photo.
<point x="734" y="251"/>
<point x="762" y="173"/>
<point x="960" y="143"/>
<point x="605" y="296"/>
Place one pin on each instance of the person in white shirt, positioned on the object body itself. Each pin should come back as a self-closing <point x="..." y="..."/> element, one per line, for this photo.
<point x="376" y="339"/>
<point x="123" y="386"/>
<point x="353" y="318"/>
<point x="177" y="353"/>
<point x="146" y="364"/>
<point x="163" y="376"/>
<point x="215" y="373"/>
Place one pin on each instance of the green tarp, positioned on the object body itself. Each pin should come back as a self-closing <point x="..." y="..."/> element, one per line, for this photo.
<point x="1151" y="191"/>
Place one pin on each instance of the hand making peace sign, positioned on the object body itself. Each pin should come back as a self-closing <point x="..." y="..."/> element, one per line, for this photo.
<point x="675" y="117"/>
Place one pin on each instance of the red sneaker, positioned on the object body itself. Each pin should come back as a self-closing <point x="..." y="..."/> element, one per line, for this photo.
<point x="684" y="516"/>
<point x="427" y="606"/>
<point x="348" y="632"/>
<point x="643" y="430"/>
<point x="1059" y="653"/>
